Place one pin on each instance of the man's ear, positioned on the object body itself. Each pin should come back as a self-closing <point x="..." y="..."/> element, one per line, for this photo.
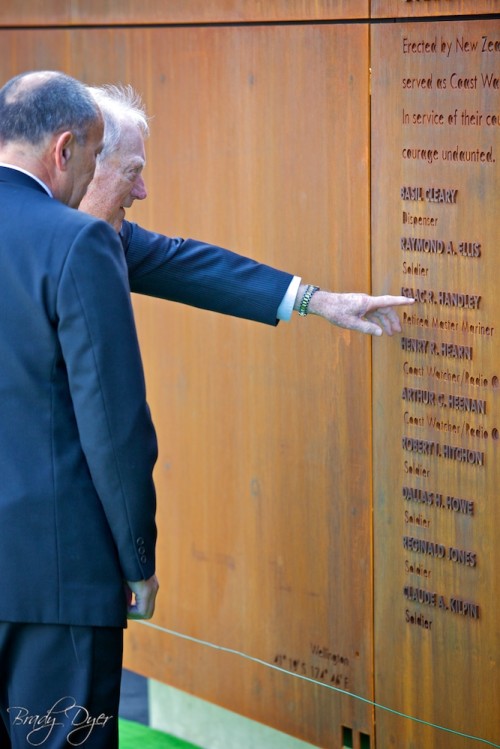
<point x="63" y="149"/>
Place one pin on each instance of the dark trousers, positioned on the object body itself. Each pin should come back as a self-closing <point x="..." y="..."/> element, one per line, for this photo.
<point x="59" y="686"/>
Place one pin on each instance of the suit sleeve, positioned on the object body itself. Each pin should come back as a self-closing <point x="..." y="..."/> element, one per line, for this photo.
<point x="202" y="275"/>
<point x="99" y="344"/>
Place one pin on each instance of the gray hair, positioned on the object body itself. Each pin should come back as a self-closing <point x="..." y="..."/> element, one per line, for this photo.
<point x="37" y="104"/>
<point x="120" y="105"/>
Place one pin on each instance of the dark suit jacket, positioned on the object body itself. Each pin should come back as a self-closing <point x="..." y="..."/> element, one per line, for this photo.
<point x="77" y="446"/>
<point x="202" y="275"/>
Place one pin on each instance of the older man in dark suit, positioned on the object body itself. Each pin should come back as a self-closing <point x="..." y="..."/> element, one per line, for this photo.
<point x="195" y="272"/>
<point x="77" y="446"/>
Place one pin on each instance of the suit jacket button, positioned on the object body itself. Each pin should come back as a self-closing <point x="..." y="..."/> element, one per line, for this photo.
<point x="144" y="559"/>
<point x="140" y="541"/>
<point x="141" y="549"/>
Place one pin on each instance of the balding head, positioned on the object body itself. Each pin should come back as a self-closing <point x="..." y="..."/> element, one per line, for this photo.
<point x="51" y="127"/>
<point x="40" y="104"/>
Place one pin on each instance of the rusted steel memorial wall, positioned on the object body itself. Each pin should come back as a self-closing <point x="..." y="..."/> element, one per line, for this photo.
<point x="435" y="237"/>
<point x="328" y="506"/>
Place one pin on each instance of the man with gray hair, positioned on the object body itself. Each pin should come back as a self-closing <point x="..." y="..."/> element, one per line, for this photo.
<point x="77" y="446"/>
<point x="196" y="273"/>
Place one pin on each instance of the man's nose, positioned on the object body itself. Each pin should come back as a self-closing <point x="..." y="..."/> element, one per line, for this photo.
<point x="139" y="191"/>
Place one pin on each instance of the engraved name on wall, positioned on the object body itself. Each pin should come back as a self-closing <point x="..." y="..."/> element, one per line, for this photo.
<point x="449" y="87"/>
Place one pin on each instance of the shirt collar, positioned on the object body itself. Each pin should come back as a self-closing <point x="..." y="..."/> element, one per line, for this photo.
<point x="19" y="169"/>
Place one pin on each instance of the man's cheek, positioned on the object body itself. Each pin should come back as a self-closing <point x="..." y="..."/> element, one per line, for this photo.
<point x="125" y="191"/>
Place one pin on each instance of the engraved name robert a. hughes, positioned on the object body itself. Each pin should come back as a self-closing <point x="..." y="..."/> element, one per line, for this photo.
<point x="64" y="715"/>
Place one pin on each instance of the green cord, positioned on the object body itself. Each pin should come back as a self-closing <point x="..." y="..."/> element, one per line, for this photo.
<point x="319" y="683"/>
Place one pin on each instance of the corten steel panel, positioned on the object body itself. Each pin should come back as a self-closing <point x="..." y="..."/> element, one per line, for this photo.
<point x="266" y="454"/>
<point x="260" y="143"/>
<point x="88" y="12"/>
<point x="435" y="198"/>
<point x="425" y="8"/>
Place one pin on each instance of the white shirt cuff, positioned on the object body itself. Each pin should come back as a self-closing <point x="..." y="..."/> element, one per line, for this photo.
<point x="286" y="307"/>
